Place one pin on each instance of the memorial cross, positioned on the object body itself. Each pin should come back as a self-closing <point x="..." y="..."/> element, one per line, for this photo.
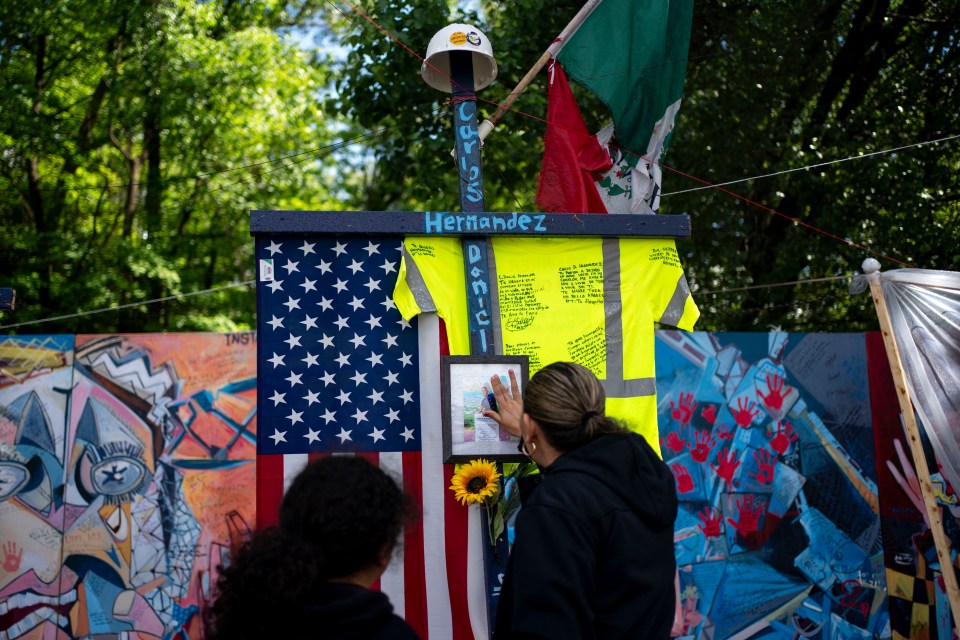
<point x="474" y="225"/>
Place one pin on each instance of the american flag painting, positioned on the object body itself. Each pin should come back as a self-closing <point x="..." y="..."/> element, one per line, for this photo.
<point x="341" y="372"/>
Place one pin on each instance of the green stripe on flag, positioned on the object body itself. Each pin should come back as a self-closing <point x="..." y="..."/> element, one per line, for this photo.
<point x="633" y="55"/>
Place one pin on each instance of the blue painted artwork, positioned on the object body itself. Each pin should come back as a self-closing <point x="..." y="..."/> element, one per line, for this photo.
<point x="769" y="437"/>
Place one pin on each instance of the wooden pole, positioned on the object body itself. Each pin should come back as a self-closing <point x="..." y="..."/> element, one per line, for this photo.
<point x="487" y="125"/>
<point x="872" y="270"/>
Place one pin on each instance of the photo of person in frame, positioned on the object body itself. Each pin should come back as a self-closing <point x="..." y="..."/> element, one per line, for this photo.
<point x="471" y="432"/>
<point x="477" y="426"/>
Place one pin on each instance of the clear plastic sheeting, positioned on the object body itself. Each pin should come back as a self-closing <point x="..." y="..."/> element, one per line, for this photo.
<point x="924" y="309"/>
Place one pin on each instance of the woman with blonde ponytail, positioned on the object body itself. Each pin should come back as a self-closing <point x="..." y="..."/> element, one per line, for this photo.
<point x="593" y="555"/>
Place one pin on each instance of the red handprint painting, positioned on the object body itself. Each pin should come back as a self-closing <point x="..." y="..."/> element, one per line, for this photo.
<point x="710" y="521"/>
<point x="683" y="411"/>
<point x="744" y="413"/>
<point x="726" y="466"/>
<point x="704" y="445"/>
<point x="12" y="555"/>
<point x="766" y="464"/>
<point x="709" y="413"/>
<point x="723" y="431"/>
<point x="749" y="511"/>
<point x="684" y="479"/>
<point x="675" y="442"/>
<point x="783" y="438"/>
<point x="780" y="420"/>
<point x="774" y="399"/>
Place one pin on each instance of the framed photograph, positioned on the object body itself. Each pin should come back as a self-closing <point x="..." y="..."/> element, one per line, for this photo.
<point x="467" y="433"/>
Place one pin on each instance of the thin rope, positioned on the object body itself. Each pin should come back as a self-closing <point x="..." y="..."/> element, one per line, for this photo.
<point x="816" y="166"/>
<point x="403" y="45"/>
<point x="792" y="219"/>
<point x="128" y="305"/>
<point x="330" y="148"/>
<point x="771" y="286"/>
<point x="251" y="282"/>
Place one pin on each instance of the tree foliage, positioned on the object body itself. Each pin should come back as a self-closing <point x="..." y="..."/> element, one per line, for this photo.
<point x="136" y="136"/>
<point x="772" y="87"/>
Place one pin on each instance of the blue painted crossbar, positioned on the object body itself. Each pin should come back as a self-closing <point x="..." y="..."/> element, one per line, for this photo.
<point x="456" y="223"/>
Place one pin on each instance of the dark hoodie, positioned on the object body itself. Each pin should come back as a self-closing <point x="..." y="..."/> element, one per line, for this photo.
<point x="593" y="556"/>
<point x="348" y="612"/>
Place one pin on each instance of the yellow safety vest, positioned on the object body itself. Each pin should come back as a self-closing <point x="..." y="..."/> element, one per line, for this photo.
<point x="590" y="300"/>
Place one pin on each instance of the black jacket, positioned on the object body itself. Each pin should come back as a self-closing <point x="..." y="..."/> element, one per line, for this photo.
<point x="593" y="556"/>
<point x="348" y="612"/>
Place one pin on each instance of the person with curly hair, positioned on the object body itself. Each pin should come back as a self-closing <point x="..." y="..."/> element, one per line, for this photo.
<point x="310" y="576"/>
<point x="593" y="555"/>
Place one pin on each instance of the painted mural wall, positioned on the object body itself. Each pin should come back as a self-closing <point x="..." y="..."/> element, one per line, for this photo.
<point x="770" y="439"/>
<point x="127" y="472"/>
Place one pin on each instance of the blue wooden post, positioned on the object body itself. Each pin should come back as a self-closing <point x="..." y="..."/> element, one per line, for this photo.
<point x="8" y="298"/>
<point x="470" y="171"/>
<point x="479" y="304"/>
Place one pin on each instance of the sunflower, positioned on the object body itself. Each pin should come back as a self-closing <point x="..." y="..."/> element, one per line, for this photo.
<point x="475" y="481"/>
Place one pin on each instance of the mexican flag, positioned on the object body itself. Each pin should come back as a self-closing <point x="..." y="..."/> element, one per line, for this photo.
<point x="633" y="55"/>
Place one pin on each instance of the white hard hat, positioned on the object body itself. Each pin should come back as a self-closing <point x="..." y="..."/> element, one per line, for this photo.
<point x="458" y="37"/>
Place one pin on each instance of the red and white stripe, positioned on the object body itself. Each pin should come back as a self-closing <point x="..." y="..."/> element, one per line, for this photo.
<point x="436" y="579"/>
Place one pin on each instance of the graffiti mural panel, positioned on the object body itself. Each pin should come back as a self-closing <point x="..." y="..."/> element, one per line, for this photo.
<point x="127" y="474"/>
<point x="126" y="470"/>
<point x="769" y="437"/>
